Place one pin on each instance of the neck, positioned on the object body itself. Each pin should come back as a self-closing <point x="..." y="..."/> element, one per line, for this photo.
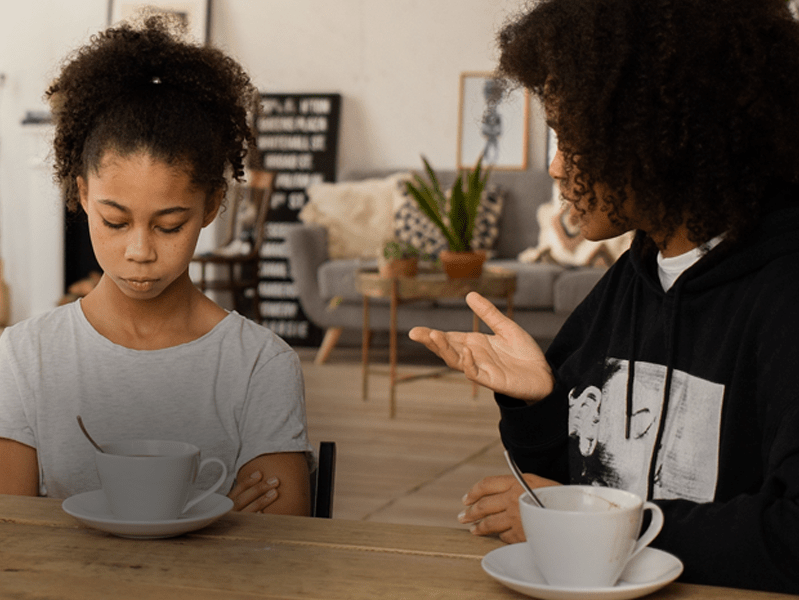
<point x="149" y="324"/>
<point x="675" y="244"/>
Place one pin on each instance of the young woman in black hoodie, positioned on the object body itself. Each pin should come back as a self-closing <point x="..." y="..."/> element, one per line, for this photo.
<point x="678" y="119"/>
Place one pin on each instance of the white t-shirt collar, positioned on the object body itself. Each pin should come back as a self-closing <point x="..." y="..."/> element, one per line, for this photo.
<point x="670" y="269"/>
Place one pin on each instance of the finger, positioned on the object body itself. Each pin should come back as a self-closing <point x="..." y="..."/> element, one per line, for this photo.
<point x="420" y="334"/>
<point x="495" y="484"/>
<point x="260" y="503"/>
<point x="514" y="535"/>
<point x="251" y="491"/>
<point x="488" y="313"/>
<point x="470" y="368"/>
<point x="242" y="485"/>
<point x="494" y="525"/>
<point x="487" y="506"/>
<point x="449" y="347"/>
<point x="437" y="342"/>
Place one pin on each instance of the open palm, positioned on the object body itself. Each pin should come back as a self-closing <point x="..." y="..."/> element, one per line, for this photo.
<point x="509" y="361"/>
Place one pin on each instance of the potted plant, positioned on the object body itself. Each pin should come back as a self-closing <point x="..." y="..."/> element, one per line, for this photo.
<point x="454" y="216"/>
<point x="398" y="259"/>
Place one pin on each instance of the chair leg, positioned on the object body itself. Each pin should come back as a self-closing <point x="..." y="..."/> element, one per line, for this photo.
<point x="328" y="343"/>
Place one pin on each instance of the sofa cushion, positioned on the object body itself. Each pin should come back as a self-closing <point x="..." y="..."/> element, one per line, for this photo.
<point x="534" y="285"/>
<point x="573" y="286"/>
<point x="412" y="226"/>
<point x="337" y="278"/>
<point x="539" y="286"/>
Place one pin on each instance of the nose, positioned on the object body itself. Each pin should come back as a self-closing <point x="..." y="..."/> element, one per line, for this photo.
<point x="140" y="247"/>
<point x="557" y="168"/>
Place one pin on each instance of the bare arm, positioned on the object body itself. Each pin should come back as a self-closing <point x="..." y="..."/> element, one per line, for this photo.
<point x="274" y="483"/>
<point x="19" y="469"/>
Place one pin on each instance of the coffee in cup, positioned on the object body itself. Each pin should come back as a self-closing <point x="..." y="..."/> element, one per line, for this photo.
<point x="586" y="535"/>
<point x="151" y="480"/>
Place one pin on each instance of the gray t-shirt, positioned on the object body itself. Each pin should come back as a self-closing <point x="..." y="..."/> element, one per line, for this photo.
<point x="236" y="393"/>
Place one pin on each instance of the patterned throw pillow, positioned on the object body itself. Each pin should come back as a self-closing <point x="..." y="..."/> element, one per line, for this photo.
<point x="411" y="225"/>
<point x="560" y="241"/>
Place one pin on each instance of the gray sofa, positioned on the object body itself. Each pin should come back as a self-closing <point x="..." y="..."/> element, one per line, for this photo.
<point x="545" y="293"/>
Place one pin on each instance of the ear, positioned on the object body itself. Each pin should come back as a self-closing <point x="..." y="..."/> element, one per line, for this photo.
<point x="83" y="193"/>
<point x="212" y="206"/>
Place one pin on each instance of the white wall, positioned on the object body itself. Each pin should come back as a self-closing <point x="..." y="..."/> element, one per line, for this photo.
<point x="397" y="64"/>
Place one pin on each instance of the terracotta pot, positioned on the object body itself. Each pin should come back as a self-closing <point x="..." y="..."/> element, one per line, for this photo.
<point x="463" y="265"/>
<point x="399" y="267"/>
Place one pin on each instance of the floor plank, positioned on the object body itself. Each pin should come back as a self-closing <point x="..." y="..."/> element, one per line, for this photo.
<point x="415" y="468"/>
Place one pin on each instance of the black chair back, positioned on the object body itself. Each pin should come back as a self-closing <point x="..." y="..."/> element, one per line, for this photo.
<point x="323" y="481"/>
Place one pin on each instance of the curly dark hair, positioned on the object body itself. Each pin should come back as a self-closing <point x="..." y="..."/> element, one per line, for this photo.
<point x="137" y="88"/>
<point x="688" y="106"/>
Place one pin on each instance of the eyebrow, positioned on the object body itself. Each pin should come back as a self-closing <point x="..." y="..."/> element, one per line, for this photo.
<point x="166" y="211"/>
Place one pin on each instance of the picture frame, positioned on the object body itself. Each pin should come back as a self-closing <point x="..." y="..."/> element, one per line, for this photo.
<point x="196" y="13"/>
<point x="492" y="122"/>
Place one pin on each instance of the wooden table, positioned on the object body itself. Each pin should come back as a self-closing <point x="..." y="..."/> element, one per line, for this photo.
<point x="494" y="282"/>
<point x="45" y="553"/>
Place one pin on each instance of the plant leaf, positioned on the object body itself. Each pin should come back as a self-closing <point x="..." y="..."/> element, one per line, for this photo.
<point x="430" y="208"/>
<point x="459" y="217"/>
<point x="438" y="195"/>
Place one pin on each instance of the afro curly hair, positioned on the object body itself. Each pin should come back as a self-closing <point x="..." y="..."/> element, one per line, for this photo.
<point x="143" y="88"/>
<point x="687" y="106"/>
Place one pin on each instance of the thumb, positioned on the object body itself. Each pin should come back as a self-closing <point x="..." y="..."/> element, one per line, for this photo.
<point x="488" y="313"/>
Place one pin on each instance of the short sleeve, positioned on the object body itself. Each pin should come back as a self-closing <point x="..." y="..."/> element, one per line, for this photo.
<point x="15" y="420"/>
<point x="274" y="419"/>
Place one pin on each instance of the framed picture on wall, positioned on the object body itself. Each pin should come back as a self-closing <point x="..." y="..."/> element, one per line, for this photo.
<point x="194" y="13"/>
<point x="493" y="122"/>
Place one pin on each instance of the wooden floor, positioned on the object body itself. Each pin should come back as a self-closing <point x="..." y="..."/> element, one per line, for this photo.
<point x="414" y="468"/>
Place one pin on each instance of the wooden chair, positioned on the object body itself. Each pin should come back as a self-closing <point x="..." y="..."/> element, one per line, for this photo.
<point x="323" y="481"/>
<point x="241" y="268"/>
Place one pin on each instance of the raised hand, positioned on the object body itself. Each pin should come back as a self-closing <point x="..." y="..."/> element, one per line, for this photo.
<point x="509" y="361"/>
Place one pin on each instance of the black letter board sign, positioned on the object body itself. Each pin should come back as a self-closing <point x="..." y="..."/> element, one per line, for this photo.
<point x="298" y="140"/>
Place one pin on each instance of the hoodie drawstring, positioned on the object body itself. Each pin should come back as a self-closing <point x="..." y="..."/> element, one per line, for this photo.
<point x="628" y="410"/>
<point x="671" y="345"/>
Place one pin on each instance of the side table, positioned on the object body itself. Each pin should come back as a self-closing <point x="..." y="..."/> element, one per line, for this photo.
<point x="493" y="282"/>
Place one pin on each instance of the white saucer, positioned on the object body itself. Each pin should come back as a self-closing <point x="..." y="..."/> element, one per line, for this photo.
<point x="91" y="509"/>
<point x="513" y="566"/>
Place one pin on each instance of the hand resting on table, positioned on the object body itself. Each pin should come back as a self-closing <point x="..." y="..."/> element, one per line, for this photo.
<point x="509" y="362"/>
<point x="492" y="506"/>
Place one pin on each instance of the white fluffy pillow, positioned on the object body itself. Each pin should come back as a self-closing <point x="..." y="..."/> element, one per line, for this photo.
<point x="358" y="215"/>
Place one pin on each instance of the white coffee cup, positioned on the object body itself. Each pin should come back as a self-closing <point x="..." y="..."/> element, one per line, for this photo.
<point x="586" y="535"/>
<point x="151" y="480"/>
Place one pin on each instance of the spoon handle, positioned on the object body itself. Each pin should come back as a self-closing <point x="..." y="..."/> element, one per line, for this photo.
<point x="88" y="437"/>
<point x="518" y="474"/>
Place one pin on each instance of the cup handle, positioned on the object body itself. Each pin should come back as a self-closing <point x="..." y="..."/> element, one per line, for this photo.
<point x="213" y="488"/>
<point x="655" y="525"/>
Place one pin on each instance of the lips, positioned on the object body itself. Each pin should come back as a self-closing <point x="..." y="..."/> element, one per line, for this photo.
<point x="140" y="284"/>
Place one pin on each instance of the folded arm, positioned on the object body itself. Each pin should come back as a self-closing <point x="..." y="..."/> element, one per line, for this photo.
<point x="273" y="483"/>
<point x="19" y="469"/>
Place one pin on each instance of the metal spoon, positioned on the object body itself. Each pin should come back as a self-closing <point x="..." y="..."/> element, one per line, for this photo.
<point x="518" y="474"/>
<point x="88" y="437"/>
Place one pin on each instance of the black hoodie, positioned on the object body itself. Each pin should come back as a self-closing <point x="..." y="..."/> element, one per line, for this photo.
<point x="706" y="422"/>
